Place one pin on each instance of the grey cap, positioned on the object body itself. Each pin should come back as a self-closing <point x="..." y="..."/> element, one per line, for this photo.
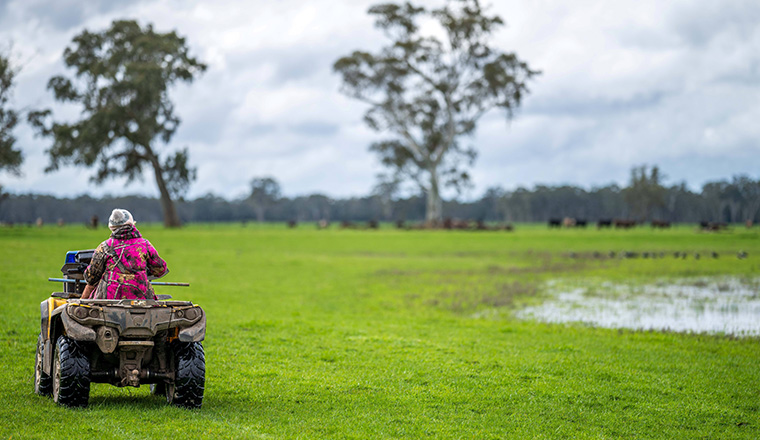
<point x="119" y="218"/>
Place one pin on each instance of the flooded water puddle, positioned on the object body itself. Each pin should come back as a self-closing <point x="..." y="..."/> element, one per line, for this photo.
<point x="708" y="305"/>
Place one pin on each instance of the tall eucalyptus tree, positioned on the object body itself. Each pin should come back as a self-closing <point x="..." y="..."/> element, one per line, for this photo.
<point x="429" y="92"/>
<point x="122" y="78"/>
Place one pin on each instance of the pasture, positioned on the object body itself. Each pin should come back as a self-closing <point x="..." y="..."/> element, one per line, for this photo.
<point x="400" y="334"/>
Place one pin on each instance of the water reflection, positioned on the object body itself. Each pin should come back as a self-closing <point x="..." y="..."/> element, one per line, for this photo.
<point x="725" y="305"/>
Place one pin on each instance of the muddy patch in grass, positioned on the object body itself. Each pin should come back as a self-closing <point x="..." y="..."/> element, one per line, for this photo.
<point x="491" y="270"/>
<point x="705" y="305"/>
<point x="479" y="297"/>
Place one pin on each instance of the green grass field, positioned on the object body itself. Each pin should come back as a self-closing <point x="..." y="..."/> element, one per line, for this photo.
<point x="398" y="334"/>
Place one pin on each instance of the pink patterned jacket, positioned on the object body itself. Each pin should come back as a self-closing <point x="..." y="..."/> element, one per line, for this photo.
<point x="121" y="264"/>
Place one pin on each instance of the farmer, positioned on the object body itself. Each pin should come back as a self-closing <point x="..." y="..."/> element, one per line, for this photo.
<point x="120" y="265"/>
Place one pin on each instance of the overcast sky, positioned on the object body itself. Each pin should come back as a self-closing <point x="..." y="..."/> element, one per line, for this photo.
<point x="624" y="83"/>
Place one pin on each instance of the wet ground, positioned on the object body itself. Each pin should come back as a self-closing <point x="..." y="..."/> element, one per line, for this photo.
<point x="706" y="305"/>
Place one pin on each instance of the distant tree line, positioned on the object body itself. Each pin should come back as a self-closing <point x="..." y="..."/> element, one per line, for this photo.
<point x="644" y="199"/>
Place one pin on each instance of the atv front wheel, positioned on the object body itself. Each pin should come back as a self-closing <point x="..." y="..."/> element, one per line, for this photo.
<point x="71" y="373"/>
<point x="189" y="375"/>
<point x="43" y="383"/>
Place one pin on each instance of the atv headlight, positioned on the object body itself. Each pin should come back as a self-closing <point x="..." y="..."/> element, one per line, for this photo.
<point x="191" y="314"/>
<point x="79" y="312"/>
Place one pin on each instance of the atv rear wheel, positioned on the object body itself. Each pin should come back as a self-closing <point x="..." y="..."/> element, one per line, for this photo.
<point x="71" y="373"/>
<point x="189" y="375"/>
<point x="43" y="383"/>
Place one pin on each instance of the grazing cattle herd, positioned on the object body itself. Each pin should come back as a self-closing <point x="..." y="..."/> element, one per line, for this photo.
<point x="553" y="223"/>
<point x="447" y="223"/>
<point x="566" y="222"/>
<point x="480" y="225"/>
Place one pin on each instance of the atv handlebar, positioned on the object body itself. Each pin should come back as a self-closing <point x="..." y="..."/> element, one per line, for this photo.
<point x="155" y="283"/>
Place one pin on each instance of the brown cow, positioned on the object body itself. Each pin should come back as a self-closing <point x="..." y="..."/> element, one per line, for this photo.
<point x="624" y="223"/>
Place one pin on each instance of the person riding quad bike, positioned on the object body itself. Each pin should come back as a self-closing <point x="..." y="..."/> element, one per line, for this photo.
<point x="120" y="265"/>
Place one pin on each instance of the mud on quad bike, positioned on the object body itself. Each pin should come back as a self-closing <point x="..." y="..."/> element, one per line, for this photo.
<point x="121" y="342"/>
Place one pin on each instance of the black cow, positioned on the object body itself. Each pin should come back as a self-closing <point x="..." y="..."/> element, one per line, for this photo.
<point x="604" y="223"/>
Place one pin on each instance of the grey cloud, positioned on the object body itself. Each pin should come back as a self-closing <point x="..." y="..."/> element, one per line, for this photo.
<point x="749" y="77"/>
<point x="698" y="23"/>
<point x="315" y="128"/>
<point x="257" y="130"/>
<point x="296" y="66"/>
<point x="207" y="130"/>
<point x="693" y="24"/>
<point x="598" y="106"/>
<point x="308" y="128"/>
<point x="206" y="125"/>
<point x="696" y="171"/>
<point x="63" y="15"/>
<point x="291" y="64"/>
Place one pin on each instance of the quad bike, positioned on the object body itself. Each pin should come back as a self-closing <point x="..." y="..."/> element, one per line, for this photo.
<point x="121" y="342"/>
